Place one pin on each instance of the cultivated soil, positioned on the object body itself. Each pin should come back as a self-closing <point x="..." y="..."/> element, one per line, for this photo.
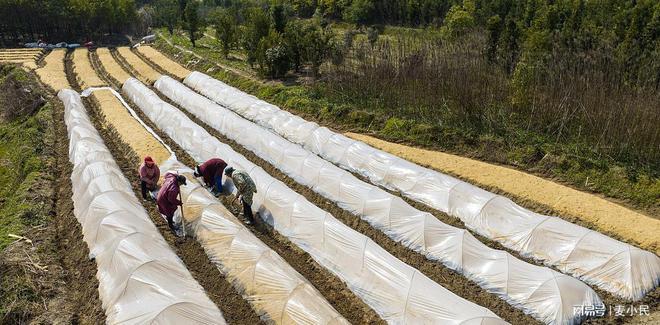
<point x="606" y="217"/>
<point x="52" y="73"/>
<point x="140" y="69"/>
<point x="236" y="310"/>
<point x="50" y="267"/>
<point x="651" y="299"/>
<point x="331" y="287"/>
<point x="163" y="62"/>
<point x="85" y="75"/>
<point x="109" y="64"/>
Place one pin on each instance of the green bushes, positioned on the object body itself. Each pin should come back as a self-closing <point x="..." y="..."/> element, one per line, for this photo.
<point x="64" y="20"/>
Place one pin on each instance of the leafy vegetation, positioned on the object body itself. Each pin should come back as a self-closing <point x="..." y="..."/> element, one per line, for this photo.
<point x="22" y="164"/>
<point x="568" y="89"/>
<point x="64" y="20"/>
<point x="569" y="162"/>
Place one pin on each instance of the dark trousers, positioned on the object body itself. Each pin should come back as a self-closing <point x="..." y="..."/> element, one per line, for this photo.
<point x="143" y="187"/>
<point x="247" y="211"/>
<point x="170" y="222"/>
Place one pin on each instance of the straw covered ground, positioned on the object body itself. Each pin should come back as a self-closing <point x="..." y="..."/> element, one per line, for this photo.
<point x="606" y="216"/>
<point x="143" y="71"/>
<point x="163" y="62"/>
<point x="52" y="73"/>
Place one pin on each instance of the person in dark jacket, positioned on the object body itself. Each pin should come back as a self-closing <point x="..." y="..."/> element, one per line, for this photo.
<point x="168" y="197"/>
<point x="149" y="175"/>
<point x="211" y="170"/>
<point x="246" y="188"/>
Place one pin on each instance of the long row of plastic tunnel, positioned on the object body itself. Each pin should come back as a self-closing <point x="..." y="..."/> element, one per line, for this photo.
<point x="546" y="267"/>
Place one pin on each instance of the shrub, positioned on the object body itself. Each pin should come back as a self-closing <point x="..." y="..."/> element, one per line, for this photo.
<point x="272" y="56"/>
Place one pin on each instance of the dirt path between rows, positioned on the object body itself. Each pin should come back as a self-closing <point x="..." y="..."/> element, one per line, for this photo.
<point x="651" y="299"/>
<point x="52" y="73"/>
<point x="165" y="63"/>
<point x="331" y="287"/>
<point x="139" y="68"/>
<point x="53" y="270"/>
<point x="607" y="217"/>
<point x="235" y="309"/>
<point x="449" y="279"/>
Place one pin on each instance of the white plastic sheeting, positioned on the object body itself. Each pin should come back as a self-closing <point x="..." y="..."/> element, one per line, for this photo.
<point x="546" y="294"/>
<point x="619" y="268"/>
<point x="397" y="292"/>
<point x="140" y="279"/>
<point x="273" y="287"/>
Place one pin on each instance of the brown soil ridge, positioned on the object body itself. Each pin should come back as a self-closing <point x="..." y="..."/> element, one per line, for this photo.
<point x="651" y="299"/>
<point x="54" y="269"/>
<point x="332" y="288"/>
<point x="607" y="217"/>
<point x="142" y="70"/>
<point x="85" y="74"/>
<point x="449" y="279"/>
<point x="165" y="63"/>
<point x="52" y="73"/>
<point x="235" y="309"/>
<point x="111" y="66"/>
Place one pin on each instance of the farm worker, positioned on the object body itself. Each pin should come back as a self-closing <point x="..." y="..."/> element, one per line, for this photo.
<point x="149" y="175"/>
<point x="212" y="170"/>
<point x="246" y="188"/>
<point x="168" y="197"/>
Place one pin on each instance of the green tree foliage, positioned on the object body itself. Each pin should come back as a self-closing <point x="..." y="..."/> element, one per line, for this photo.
<point x="279" y="17"/>
<point x="193" y="22"/>
<point x="257" y="26"/>
<point x="360" y="12"/>
<point x="294" y="37"/>
<point x="459" y="21"/>
<point x="226" y="29"/>
<point x="64" y="20"/>
<point x="318" y="46"/>
<point x="372" y="35"/>
<point x="272" y="57"/>
<point x="167" y="14"/>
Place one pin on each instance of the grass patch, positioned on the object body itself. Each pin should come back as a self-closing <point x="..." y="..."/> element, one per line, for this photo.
<point x="22" y="164"/>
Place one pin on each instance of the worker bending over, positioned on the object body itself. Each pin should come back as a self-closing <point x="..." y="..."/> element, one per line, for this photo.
<point x="149" y="175"/>
<point x="212" y="170"/>
<point x="245" y="188"/>
<point x="168" y="198"/>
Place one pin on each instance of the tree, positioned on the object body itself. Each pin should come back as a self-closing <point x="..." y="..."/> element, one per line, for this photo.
<point x="226" y="30"/>
<point x="458" y="21"/>
<point x="167" y="14"/>
<point x="257" y="26"/>
<point x="145" y="19"/>
<point x="360" y="12"/>
<point x="279" y="17"/>
<point x="494" y="27"/>
<point x="182" y="9"/>
<point x="294" y="37"/>
<point x="193" y="22"/>
<point x="272" y="56"/>
<point x="318" y="47"/>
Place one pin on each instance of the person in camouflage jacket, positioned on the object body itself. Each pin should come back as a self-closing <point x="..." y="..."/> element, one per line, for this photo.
<point x="246" y="188"/>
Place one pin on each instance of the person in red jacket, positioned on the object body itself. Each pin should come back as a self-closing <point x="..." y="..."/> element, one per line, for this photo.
<point x="211" y="170"/>
<point x="149" y="175"/>
<point x="168" y="197"/>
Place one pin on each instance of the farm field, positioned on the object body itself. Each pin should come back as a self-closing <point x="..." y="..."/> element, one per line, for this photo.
<point x="133" y="131"/>
<point x="246" y="163"/>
